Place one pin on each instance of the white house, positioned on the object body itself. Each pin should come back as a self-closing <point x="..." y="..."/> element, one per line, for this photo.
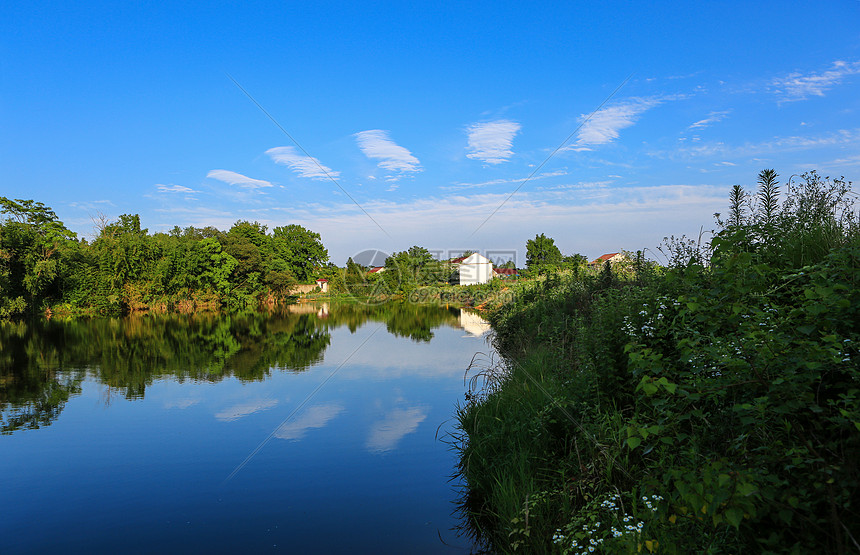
<point x="473" y="269"/>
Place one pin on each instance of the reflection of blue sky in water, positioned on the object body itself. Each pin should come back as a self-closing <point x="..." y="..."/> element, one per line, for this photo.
<point x="313" y="417"/>
<point x="392" y="357"/>
<point x="180" y="404"/>
<point x="385" y="434"/>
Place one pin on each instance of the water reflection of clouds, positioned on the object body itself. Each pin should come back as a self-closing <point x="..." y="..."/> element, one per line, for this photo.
<point x="314" y="417"/>
<point x="386" y="433"/>
<point x="388" y="357"/>
<point x="181" y="403"/>
<point x="244" y="409"/>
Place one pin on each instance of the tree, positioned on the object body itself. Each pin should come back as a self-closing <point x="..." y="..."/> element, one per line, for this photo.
<point x="126" y="254"/>
<point x="542" y="254"/>
<point x="573" y="261"/>
<point x="35" y="251"/>
<point x="412" y="268"/>
<point x="354" y="273"/>
<point x="300" y="248"/>
<point x="210" y="267"/>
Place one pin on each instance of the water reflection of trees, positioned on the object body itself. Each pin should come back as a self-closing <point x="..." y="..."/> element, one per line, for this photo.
<point x="43" y="363"/>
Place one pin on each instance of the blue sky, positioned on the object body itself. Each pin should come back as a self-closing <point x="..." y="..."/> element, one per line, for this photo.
<point x="425" y="117"/>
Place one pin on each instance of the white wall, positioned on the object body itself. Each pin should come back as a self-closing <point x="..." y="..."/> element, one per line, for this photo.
<point x="475" y="269"/>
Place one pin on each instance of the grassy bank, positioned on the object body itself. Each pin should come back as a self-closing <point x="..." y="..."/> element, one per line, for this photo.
<point x="700" y="408"/>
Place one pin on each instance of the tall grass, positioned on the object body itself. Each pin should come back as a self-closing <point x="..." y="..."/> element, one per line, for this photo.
<point x="712" y="406"/>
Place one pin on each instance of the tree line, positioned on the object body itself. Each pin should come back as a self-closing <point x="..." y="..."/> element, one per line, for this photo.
<point x="44" y="265"/>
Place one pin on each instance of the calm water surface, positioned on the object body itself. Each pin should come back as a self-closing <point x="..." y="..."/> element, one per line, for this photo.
<point x="312" y="430"/>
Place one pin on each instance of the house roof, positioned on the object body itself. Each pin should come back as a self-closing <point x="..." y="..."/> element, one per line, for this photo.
<point x="506" y="271"/>
<point x="458" y="260"/>
<point x="604" y="257"/>
<point x="376" y="269"/>
<point x="322" y="279"/>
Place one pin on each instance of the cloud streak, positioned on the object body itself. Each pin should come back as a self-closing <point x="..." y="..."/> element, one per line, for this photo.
<point x="712" y="118"/>
<point x="242" y="410"/>
<point x="604" y="126"/>
<point x="462" y="186"/>
<point x="377" y="145"/>
<point x="776" y="145"/>
<point x="233" y="178"/>
<point x="304" y="166"/>
<point x="174" y="188"/>
<point x="491" y="142"/>
<point x="797" y="86"/>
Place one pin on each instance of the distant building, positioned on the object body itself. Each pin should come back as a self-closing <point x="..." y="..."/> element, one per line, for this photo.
<point x="322" y="283"/>
<point x="612" y="257"/>
<point x="472" y="269"/>
<point x="505" y="273"/>
<point x="376" y="270"/>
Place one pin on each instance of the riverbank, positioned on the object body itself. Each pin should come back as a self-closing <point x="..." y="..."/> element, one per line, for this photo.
<point x="680" y="410"/>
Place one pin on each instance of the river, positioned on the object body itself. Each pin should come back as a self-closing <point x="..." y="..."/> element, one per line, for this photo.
<point x="315" y="429"/>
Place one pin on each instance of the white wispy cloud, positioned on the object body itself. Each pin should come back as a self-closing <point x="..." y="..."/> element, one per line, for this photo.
<point x="491" y="142"/>
<point x="462" y="186"/>
<point x="93" y="205"/>
<point x="712" y="118"/>
<point x="797" y="86"/>
<point x="315" y="417"/>
<point x="181" y="403"/>
<point x="303" y="166"/>
<point x="792" y="143"/>
<point x="604" y="126"/>
<point x="174" y="188"/>
<point x="586" y="185"/>
<point x="233" y="178"/>
<point x="386" y="433"/>
<point x="244" y="409"/>
<point x="839" y="162"/>
<point x="377" y="145"/>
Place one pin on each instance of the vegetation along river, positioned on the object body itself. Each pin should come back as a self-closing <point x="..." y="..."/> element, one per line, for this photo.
<point x="319" y="428"/>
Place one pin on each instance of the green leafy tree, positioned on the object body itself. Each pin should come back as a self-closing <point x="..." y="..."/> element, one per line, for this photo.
<point x="573" y="261"/>
<point x="542" y="254"/>
<point x="406" y="270"/>
<point x="211" y="266"/>
<point x="301" y="249"/>
<point x="35" y="252"/>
